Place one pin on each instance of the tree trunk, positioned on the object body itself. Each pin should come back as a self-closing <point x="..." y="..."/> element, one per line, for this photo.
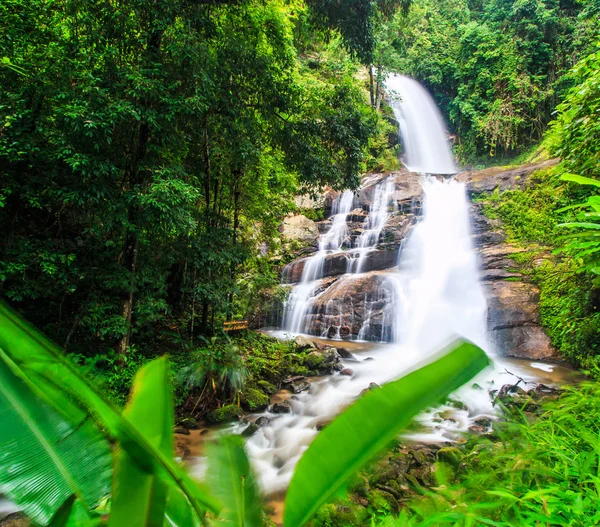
<point x="126" y="300"/>
<point x="371" y="86"/>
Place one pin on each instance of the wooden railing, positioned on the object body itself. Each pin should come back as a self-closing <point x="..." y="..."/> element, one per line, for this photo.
<point x="235" y="325"/>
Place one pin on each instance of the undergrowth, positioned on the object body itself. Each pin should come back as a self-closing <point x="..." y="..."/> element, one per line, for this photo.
<point x="540" y="473"/>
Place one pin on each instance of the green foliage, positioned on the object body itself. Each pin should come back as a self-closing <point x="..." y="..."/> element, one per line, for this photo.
<point x="231" y="479"/>
<point x="369" y="425"/>
<point x="496" y="69"/>
<point x="149" y="154"/>
<point x="42" y="366"/>
<point x="543" y="472"/>
<point x="139" y="498"/>
<point x="529" y="215"/>
<point x="46" y="460"/>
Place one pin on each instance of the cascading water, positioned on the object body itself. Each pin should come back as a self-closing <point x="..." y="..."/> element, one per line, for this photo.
<point x="422" y="128"/>
<point x="379" y="212"/>
<point x="297" y="311"/>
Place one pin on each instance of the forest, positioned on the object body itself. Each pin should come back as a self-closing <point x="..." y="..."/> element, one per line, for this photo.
<point x="226" y="296"/>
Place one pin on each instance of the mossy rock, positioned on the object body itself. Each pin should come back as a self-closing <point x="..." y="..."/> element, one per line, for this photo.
<point x="266" y="387"/>
<point x="451" y="455"/>
<point x="380" y="500"/>
<point x="254" y="400"/>
<point x="226" y="413"/>
<point x="314" y="360"/>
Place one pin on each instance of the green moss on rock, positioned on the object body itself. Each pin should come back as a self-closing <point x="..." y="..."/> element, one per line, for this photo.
<point x="254" y="400"/>
<point x="225" y="413"/>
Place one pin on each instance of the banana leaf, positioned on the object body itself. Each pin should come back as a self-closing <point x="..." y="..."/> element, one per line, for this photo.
<point x="139" y="498"/>
<point x="42" y="365"/>
<point x="45" y="461"/>
<point x="231" y="478"/>
<point x="366" y="427"/>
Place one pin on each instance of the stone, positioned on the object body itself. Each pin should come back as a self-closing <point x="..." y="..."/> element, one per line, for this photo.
<point x="347" y="371"/>
<point x="514" y="321"/>
<point x="296" y="384"/>
<point x="189" y="422"/>
<point x="345" y="332"/>
<point x="283" y="407"/>
<point x="494" y="178"/>
<point x="254" y="400"/>
<point x="299" y="228"/>
<point x="226" y="413"/>
<point x="451" y="455"/>
<point x="372" y="386"/>
<point x="250" y="430"/>
<point x="16" y="519"/>
<point x="263" y="420"/>
<point x="182" y="431"/>
<point x="322" y="362"/>
<point x="345" y="354"/>
<point x="303" y="344"/>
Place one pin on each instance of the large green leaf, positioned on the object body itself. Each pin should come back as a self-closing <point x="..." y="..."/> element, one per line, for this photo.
<point x="580" y="180"/>
<point x="44" y="368"/>
<point x="45" y="460"/>
<point x="231" y="478"/>
<point x="139" y="498"/>
<point x="366" y="427"/>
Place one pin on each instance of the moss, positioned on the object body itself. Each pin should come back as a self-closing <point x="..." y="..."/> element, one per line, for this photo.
<point x="266" y="387"/>
<point x="254" y="400"/>
<point x="314" y="360"/>
<point x="226" y="413"/>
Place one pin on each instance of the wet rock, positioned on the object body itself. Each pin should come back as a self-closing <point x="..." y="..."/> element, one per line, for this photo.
<point x="459" y="405"/>
<point x="345" y="354"/>
<point x="226" y="413"/>
<point x="254" y="400"/>
<point x="514" y="321"/>
<point x="283" y="407"/>
<point x="296" y="384"/>
<point x="478" y="429"/>
<point x="250" y="430"/>
<point x="451" y="455"/>
<point x="372" y="386"/>
<point x="347" y="371"/>
<point x="483" y="421"/>
<point x="189" y="422"/>
<point x="16" y="519"/>
<point x="322" y="362"/>
<point x="182" y="431"/>
<point x="345" y="332"/>
<point x="263" y="420"/>
<point x="303" y="344"/>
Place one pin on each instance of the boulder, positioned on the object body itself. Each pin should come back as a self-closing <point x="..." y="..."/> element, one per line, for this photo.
<point x="322" y="362"/>
<point x="514" y="321"/>
<point x="299" y="228"/>
<point x="303" y="344"/>
<point x="347" y="371"/>
<point x="226" y="413"/>
<point x="500" y="178"/>
<point x="283" y="407"/>
<point x="296" y="384"/>
<point x="254" y="400"/>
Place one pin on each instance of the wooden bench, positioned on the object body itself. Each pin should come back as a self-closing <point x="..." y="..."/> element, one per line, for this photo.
<point x="235" y="325"/>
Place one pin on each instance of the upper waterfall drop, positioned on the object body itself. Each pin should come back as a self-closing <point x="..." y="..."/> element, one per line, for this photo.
<point x="422" y="128"/>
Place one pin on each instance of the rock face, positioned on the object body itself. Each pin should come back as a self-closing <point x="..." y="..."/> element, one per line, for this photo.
<point x="494" y="178"/>
<point x="300" y="228"/>
<point x="513" y="319"/>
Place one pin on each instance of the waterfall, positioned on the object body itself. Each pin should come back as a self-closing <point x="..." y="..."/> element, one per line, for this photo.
<point x="422" y="128"/>
<point x="379" y="212"/>
<point x="432" y="295"/>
